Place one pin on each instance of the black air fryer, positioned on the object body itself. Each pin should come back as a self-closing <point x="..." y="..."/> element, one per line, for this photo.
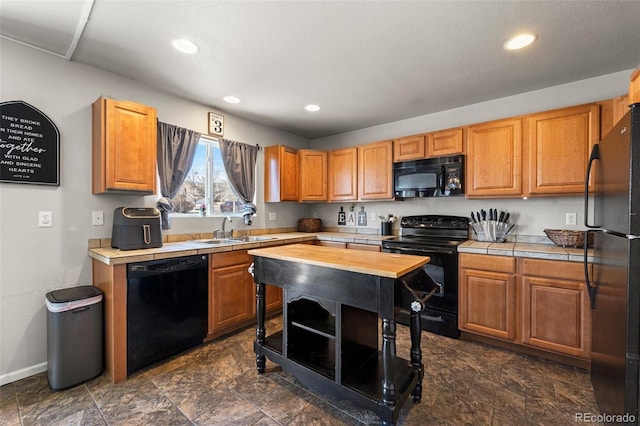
<point x="136" y="228"/>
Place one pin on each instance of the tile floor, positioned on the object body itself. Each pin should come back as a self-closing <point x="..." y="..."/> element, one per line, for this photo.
<point x="216" y="384"/>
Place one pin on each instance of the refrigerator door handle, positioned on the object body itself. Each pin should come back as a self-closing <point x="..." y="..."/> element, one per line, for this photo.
<point x="591" y="285"/>
<point x="595" y="155"/>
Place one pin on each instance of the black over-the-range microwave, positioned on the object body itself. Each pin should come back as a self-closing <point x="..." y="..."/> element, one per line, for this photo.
<point x="430" y="177"/>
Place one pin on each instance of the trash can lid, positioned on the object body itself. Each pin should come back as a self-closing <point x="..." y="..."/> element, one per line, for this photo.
<point x="73" y="293"/>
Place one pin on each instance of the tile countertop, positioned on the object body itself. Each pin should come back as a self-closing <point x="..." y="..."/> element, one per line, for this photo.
<point x="533" y="250"/>
<point x="112" y="256"/>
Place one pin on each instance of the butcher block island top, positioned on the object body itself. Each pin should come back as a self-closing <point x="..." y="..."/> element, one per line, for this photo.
<point x="390" y="265"/>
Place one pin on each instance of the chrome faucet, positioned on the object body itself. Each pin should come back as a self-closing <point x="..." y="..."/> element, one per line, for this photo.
<point x="224" y="221"/>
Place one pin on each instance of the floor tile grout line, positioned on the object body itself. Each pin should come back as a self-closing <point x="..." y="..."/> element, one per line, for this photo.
<point x="96" y="404"/>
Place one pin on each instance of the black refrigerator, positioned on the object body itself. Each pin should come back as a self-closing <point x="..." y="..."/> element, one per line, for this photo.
<point x="614" y="284"/>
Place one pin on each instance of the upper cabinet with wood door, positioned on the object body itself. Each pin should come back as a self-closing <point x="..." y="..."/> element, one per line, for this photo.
<point x="281" y="174"/>
<point x="375" y="171"/>
<point x="611" y="111"/>
<point x="124" y="147"/>
<point x="445" y="142"/>
<point x="409" y="148"/>
<point x="558" y="145"/>
<point x="494" y="159"/>
<point x="634" y="87"/>
<point x="343" y="174"/>
<point x="313" y="175"/>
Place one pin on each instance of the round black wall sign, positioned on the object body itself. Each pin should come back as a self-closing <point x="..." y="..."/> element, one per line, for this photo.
<point x="29" y="145"/>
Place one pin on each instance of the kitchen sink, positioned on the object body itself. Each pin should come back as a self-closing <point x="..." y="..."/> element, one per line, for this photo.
<point x="253" y="238"/>
<point x="218" y="241"/>
<point x="245" y="239"/>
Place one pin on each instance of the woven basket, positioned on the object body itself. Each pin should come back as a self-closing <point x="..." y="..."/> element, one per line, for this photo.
<point x="309" y="225"/>
<point x="565" y="238"/>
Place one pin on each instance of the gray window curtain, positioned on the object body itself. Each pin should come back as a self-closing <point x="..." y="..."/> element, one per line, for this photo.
<point x="240" y="164"/>
<point x="176" y="149"/>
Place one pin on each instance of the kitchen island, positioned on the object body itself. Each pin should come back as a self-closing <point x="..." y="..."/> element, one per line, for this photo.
<point x="334" y="301"/>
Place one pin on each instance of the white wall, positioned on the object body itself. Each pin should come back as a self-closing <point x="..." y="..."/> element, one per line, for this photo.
<point x="34" y="261"/>
<point x="531" y="216"/>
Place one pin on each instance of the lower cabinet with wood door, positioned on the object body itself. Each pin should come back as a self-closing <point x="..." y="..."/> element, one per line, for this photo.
<point x="556" y="315"/>
<point x="536" y="306"/>
<point x="232" y="300"/>
<point x="487" y="295"/>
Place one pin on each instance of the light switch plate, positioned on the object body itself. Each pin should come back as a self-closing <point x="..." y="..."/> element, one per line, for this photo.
<point x="45" y="219"/>
<point x="272" y="215"/>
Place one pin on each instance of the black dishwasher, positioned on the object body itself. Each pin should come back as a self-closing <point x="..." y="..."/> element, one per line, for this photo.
<point x="166" y="308"/>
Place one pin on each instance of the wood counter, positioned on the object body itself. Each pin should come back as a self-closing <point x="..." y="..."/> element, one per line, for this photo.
<point x="335" y="300"/>
<point x="390" y="265"/>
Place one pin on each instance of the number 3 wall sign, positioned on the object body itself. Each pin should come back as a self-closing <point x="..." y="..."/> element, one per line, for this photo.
<point x="216" y="124"/>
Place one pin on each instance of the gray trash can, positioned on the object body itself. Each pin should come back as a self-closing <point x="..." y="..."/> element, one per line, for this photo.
<point x="74" y="336"/>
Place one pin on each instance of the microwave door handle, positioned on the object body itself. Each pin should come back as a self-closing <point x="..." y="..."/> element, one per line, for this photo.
<point x="442" y="179"/>
<point x="595" y="155"/>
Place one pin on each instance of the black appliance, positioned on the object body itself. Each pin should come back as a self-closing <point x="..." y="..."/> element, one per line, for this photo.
<point x="437" y="237"/>
<point x="614" y="287"/>
<point x="136" y="228"/>
<point x="431" y="177"/>
<point x="167" y="305"/>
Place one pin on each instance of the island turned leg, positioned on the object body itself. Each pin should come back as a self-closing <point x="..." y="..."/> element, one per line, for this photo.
<point x="260" y="329"/>
<point x="416" y="353"/>
<point x="388" y="361"/>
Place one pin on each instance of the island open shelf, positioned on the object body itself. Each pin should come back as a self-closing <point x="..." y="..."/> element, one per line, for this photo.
<point x="335" y="304"/>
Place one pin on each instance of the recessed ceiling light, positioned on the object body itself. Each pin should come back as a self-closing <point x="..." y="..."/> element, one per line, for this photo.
<point x="231" y="99"/>
<point x="520" y="41"/>
<point x="312" y="108"/>
<point x="185" y="46"/>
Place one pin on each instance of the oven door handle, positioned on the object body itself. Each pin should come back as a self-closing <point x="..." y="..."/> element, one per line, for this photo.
<point x="417" y="252"/>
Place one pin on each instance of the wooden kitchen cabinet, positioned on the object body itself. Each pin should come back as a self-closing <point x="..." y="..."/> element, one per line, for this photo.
<point x="409" y="148"/>
<point x="555" y="307"/>
<point x="535" y="306"/>
<point x="281" y="174"/>
<point x="232" y="301"/>
<point x="487" y="295"/>
<point x="375" y="171"/>
<point x="313" y="175"/>
<point x="343" y="174"/>
<point x="494" y="159"/>
<point x="558" y="146"/>
<point x="634" y="87"/>
<point x="611" y="111"/>
<point x="124" y="146"/>
<point x="445" y="142"/>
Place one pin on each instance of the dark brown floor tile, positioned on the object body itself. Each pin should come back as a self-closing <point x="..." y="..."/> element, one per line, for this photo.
<point x="490" y="393"/>
<point x="136" y="401"/>
<point x="40" y="405"/>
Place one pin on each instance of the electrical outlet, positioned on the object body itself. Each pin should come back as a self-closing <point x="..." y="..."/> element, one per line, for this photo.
<point x="272" y="215"/>
<point x="373" y="216"/>
<point x="97" y="218"/>
<point x="571" y="219"/>
<point x="45" y="219"/>
<point x="315" y="215"/>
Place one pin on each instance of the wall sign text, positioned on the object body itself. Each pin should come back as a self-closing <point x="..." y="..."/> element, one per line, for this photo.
<point x="29" y="145"/>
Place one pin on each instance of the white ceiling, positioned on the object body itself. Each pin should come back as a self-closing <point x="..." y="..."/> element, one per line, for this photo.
<point x="363" y="62"/>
